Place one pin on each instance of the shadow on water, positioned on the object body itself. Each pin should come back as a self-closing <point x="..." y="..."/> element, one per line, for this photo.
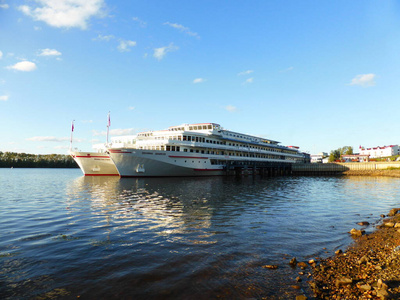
<point x="180" y="238"/>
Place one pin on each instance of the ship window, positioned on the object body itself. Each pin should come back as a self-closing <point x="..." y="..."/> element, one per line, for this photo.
<point x="168" y="148"/>
<point x="189" y="138"/>
<point x="173" y="148"/>
<point x="191" y="150"/>
<point x="184" y="150"/>
<point x="202" y="151"/>
<point x="190" y="127"/>
<point x="184" y="137"/>
<point x="178" y="148"/>
<point x="209" y="127"/>
<point x="197" y="151"/>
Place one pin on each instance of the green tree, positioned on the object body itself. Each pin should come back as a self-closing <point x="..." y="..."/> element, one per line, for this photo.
<point x="336" y="154"/>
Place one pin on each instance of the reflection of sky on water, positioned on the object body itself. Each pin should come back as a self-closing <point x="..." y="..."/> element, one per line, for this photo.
<point x="181" y="237"/>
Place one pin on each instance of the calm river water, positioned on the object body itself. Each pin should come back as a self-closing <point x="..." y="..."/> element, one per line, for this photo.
<point x="64" y="236"/>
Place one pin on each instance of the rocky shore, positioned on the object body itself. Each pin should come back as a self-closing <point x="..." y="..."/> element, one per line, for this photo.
<point x="368" y="269"/>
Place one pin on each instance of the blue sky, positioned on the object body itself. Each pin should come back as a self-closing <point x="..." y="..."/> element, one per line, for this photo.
<point x="315" y="74"/>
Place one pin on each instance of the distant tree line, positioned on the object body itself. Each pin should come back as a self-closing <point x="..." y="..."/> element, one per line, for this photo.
<point x="25" y="160"/>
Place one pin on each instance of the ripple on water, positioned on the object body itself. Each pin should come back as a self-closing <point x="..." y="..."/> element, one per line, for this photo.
<point x="65" y="235"/>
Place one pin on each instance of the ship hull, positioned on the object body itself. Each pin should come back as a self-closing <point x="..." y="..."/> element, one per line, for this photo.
<point x="142" y="163"/>
<point x="95" y="164"/>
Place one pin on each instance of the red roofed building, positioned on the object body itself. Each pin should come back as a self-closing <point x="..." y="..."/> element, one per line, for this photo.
<point x="380" y="151"/>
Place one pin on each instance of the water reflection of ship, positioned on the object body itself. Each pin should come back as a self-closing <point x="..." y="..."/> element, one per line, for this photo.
<point x="157" y="204"/>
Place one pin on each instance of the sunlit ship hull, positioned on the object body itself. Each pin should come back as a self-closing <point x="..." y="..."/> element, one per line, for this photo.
<point x="144" y="163"/>
<point x="95" y="164"/>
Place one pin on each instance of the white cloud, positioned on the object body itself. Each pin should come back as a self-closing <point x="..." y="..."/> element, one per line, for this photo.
<point x="4" y="98"/>
<point x="199" y="80"/>
<point x="47" y="139"/>
<point x="105" y="38"/>
<point x="4" y="6"/>
<point x="25" y="66"/>
<point x="124" y="46"/>
<point x="49" y="52"/>
<point x="364" y="80"/>
<point x="131" y="107"/>
<point x="159" y="53"/>
<point x="245" y="72"/>
<point x="127" y="131"/>
<point x="141" y="23"/>
<point x="64" y="13"/>
<point x="182" y="29"/>
<point x="1" y="55"/>
<point x="249" y="80"/>
<point x="230" y="108"/>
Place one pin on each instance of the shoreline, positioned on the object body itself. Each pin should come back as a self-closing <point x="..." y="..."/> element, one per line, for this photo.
<point x="368" y="269"/>
<point x="387" y="173"/>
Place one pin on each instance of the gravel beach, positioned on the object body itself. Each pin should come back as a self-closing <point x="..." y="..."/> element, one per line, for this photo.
<point x="368" y="269"/>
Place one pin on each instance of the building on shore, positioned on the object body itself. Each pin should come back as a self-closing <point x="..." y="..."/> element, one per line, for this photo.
<point x="321" y="157"/>
<point x="384" y="151"/>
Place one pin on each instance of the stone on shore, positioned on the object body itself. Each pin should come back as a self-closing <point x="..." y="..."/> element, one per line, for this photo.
<point x="356" y="232"/>
<point x="363" y="223"/>
<point x="393" y="212"/>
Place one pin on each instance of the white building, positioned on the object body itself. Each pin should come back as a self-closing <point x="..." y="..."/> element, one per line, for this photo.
<point x="380" y="151"/>
<point x="319" y="158"/>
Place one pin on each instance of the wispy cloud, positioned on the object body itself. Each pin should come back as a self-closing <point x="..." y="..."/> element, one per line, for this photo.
<point x="1" y="55"/>
<point x="230" y="108"/>
<point x="47" y="139"/>
<point x="24" y="66"/>
<point x="140" y="22"/>
<point x="287" y="70"/>
<point x="159" y="53"/>
<point x="248" y="80"/>
<point x="131" y="108"/>
<point x="364" y="80"/>
<point x="4" y="98"/>
<point x="182" y="28"/>
<point x="49" y="52"/>
<point x="64" y="13"/>
<point x="125" y="46"/>
<point x="104" y="38"/>
<point x="245" y="72"/>
<point x="117" y="132"/>
<point x="199" y="80"/>
<point x="4" y="6"/>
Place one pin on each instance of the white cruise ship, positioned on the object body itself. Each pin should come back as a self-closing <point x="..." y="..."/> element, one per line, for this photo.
<point x="198" y="150"/>
<point x="99" y="163"/>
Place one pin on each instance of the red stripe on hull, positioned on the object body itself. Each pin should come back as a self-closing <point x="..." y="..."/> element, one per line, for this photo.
<point x="101" y="174"/>
<point x="93" y="156"/>
<point x="194" y="157"/>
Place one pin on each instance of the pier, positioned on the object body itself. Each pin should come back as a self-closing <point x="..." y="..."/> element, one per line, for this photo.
<point x="268" y="169"/>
